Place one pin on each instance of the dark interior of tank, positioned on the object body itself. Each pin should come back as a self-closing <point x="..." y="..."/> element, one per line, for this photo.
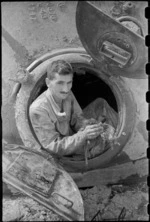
<point x="86" y="88"/>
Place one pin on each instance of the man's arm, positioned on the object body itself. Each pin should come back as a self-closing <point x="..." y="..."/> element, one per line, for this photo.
<point x="52" y="139"/>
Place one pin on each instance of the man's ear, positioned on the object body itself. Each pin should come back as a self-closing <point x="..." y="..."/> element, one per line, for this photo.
<point x="47" y="81"/>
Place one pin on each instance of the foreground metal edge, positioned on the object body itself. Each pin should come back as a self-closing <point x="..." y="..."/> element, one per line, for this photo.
<point x="40" y="179"/>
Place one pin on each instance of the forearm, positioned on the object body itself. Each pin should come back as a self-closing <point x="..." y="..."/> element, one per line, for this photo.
<point x="65" y="145"/>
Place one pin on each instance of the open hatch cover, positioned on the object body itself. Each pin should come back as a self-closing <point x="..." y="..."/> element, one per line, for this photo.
<point x="34" y="174"/>
<point x="116" y="49"/>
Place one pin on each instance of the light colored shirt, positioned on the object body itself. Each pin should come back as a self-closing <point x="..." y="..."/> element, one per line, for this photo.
<point x="57" y="131"/>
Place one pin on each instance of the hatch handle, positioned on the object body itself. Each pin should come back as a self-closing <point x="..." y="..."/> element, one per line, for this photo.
<point x="59" y="199"/>
<point x="115" y="53"/>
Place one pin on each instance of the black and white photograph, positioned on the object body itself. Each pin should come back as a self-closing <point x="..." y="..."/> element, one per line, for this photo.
<point x="74" y="111"/>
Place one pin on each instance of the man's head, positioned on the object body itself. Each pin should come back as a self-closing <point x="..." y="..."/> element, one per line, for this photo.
<point x="59" y="79"/>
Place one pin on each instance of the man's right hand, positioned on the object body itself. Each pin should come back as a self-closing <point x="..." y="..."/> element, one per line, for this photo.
<point x="92" y="131"/>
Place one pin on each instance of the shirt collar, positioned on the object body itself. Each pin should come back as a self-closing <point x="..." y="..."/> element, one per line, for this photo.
<point x="54" y="105"/>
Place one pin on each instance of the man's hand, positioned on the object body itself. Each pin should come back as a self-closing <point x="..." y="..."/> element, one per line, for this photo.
<point x="92" y="131"/>
<point x="108" y="133"/>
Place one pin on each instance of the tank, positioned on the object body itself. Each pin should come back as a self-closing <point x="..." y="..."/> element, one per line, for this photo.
<point x="105" y="44"/>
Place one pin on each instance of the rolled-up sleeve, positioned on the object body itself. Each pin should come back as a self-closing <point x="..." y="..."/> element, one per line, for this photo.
<point x="51" y="139"/>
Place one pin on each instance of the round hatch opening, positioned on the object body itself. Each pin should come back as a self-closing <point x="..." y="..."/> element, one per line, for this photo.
<point x="89" y="84"/>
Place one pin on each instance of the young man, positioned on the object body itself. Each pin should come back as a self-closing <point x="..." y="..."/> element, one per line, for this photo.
<point x="57" y="119"/>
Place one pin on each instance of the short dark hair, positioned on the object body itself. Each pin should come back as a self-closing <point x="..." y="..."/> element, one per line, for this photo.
<point x="59" y="66"/>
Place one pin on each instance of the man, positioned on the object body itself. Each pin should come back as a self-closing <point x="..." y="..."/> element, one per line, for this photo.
<point x="58" y="121"/>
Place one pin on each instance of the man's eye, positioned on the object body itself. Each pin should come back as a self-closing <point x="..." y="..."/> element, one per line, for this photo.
<point x="60" y="83"/>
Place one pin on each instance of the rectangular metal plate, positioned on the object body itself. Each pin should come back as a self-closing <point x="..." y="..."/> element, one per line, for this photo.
<point x="33" y="171"/>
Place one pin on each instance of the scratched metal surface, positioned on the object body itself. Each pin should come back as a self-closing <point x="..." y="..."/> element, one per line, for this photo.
<point x="34" y="175"/>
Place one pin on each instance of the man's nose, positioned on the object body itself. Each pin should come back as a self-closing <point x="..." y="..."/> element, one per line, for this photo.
<point x="65" y="88"/>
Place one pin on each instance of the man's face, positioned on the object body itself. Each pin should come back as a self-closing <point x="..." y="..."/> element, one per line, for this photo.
<point x="60" y="86"/>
